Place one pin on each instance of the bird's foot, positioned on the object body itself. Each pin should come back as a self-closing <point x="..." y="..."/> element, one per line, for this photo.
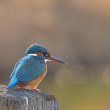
<point x="28" y="88"/>
<point x="36" y="90"/>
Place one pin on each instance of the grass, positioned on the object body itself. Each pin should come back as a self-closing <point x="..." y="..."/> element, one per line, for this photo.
<point x="87" y="96"/>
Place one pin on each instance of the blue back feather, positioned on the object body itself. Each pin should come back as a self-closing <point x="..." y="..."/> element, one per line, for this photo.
<point x="27" y="69"/>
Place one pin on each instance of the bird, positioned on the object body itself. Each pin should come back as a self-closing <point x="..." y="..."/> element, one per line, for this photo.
<point x="31" y="69"/>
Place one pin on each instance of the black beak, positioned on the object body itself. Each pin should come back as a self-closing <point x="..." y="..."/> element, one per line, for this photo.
<point x="52" y="58"/>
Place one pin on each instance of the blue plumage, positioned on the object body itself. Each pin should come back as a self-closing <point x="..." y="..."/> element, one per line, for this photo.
<point x="27" y="69"/>
<point x="31" y="67"/>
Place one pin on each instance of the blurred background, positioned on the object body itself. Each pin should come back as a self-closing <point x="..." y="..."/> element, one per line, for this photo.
<point x="77" y="31"/>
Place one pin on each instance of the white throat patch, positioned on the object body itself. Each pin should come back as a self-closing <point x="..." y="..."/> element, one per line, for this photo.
<point x="46" y="60"/>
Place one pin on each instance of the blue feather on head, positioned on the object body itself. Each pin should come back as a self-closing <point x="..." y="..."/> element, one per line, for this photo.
<point x="35" y="48"/>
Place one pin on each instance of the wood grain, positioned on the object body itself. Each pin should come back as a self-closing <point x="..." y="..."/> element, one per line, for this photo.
<point x="27" y="100"/>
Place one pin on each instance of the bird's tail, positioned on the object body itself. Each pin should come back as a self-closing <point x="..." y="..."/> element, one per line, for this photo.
<point x="11" y="85"/>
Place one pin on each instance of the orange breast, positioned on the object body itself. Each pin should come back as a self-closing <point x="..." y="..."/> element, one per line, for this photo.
<point x="34" y="84"/>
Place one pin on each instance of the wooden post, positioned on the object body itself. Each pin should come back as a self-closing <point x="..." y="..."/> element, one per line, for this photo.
<point x="27" y="100"/>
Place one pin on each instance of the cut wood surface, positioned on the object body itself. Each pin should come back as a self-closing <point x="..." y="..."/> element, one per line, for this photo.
<point x="27" y="100"/>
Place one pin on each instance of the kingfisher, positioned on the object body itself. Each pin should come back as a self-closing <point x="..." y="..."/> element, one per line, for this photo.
<point x="30" y="70"/>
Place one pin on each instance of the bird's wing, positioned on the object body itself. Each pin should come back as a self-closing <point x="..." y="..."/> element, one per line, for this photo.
<point x="28" y="68"/>
<point x="15" y="68"/>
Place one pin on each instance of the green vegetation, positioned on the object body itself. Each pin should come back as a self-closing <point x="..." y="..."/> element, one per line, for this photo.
<point x="87" y="96"/>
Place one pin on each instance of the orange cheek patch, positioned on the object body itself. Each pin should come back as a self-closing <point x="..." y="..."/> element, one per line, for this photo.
<point x="39" y="54"/>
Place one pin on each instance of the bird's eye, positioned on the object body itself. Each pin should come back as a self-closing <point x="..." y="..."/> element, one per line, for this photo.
<point x="46" y="54"/>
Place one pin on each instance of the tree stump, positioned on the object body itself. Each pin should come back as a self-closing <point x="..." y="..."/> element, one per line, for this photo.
<point x="27" y="100"/>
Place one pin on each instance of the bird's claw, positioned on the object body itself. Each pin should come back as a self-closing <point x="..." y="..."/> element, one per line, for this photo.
<point x="36" y="90"/>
